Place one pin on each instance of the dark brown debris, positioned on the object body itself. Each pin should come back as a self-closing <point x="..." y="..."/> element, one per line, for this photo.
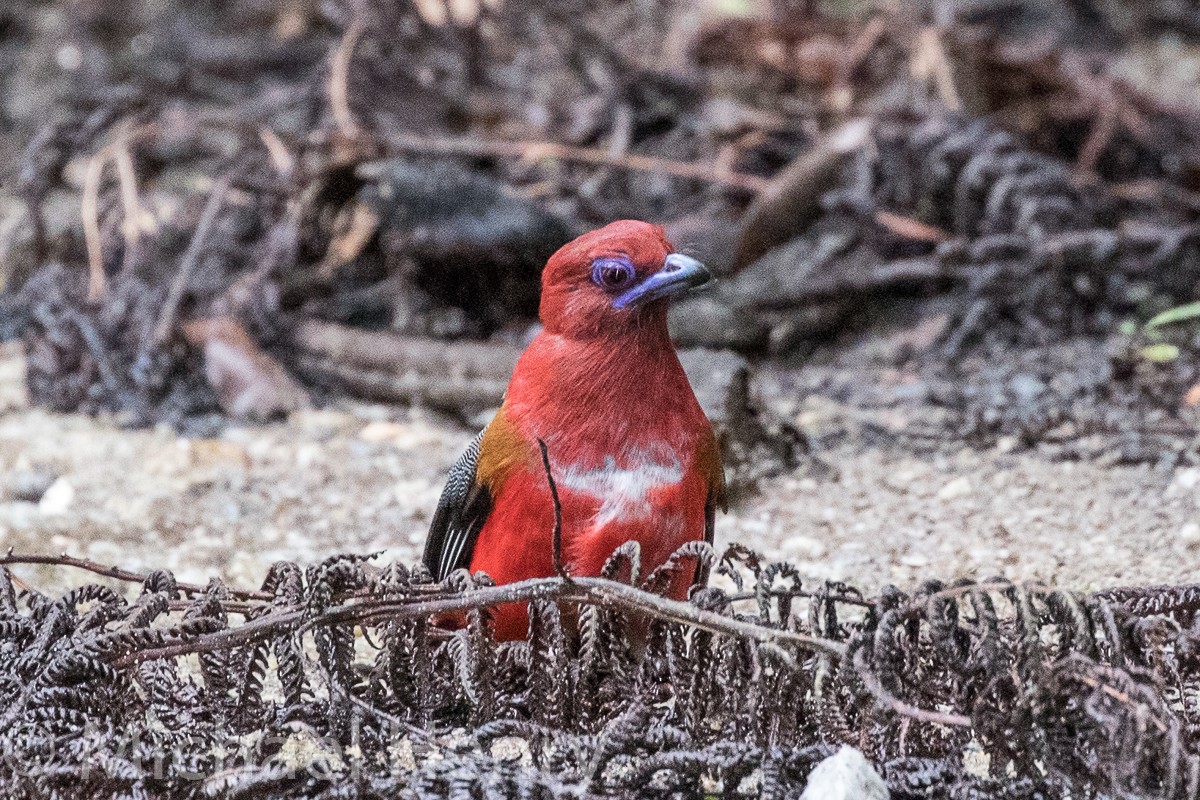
<point x="392" y="167"/>
<point x="981" y="689"/>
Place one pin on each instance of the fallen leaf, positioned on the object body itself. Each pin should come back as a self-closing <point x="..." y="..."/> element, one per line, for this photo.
<point x="354" y="229"/>
<point x="249" y="383"/>
<point x="910" y="228"/>
<point x="1159" y="353"/>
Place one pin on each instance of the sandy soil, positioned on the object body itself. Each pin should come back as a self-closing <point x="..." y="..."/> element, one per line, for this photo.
<point x="362" y="477"/>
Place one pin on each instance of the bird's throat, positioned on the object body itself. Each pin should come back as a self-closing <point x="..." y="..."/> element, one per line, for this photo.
<point x="629" y="389"/>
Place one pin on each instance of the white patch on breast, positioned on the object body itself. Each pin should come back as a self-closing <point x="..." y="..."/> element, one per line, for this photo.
<point x="623" y="492"/>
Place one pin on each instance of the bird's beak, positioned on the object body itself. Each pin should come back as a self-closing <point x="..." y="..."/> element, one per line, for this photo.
<point x="679" y="273"/>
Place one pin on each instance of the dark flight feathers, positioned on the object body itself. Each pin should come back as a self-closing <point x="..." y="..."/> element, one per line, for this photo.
<point x="461" y="511"/>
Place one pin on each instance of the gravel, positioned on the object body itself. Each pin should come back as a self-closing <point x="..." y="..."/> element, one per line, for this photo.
<point x="361" y="477"/>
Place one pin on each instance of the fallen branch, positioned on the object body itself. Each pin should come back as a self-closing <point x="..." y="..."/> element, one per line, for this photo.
<point x="387" y="366"/>
<point x="191" y="257"/>
<point x="591" y="591"/>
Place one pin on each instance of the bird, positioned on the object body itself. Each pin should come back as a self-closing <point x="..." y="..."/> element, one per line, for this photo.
<point x="630" y="451"/>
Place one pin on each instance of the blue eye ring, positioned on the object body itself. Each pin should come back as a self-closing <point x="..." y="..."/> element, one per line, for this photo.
<point x="613" y="273"/>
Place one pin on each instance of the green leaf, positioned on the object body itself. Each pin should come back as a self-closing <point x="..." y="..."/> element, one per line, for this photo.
<point x="1159" y="353"/>
<point x="736" y="8"/>
<point x="1176" y="314"/>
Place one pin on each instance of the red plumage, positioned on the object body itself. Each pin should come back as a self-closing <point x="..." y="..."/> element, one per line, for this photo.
<point x="631" y="452"/>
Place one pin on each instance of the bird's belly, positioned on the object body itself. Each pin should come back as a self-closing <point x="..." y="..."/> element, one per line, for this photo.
<point x="660" y="505"/>
<point x="649" y="498"/>
<point x="621" y="494"/>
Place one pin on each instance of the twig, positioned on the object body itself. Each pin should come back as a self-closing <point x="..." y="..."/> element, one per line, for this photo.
<point x="127" y="177"/>
<point x="841" y="89"/>
<point x="557" y="534"/>
<point x="89" y="208"/>
<point x="339" y="80"/>
<point x="594" y="591"/>
<point x="532" y="151"/>
<point x="929" y="60"/>
<point x="117" y="573"/>
<point x="191" y="257"/>
<point x="899" y="706"/>
<point x="283" y="160"/>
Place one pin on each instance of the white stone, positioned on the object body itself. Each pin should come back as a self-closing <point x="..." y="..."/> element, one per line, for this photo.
<point x="975" y="761"/>
<point x="1190" y="533"/>
<point x="1188" y="478"/>
<point x="1006" y="444"/>
<point x="959" y="487"/>
<point x="58" y="498"/>
<point x="845" y="775"/>
<point x="512" y="748"/>
<point x="69" y="58"/>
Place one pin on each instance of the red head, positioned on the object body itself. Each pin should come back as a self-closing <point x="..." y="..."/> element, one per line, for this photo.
<point x="615" y="280"/>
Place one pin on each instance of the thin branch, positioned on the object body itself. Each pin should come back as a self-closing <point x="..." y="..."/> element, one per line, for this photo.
<point x="593" y="591"/>
<point x="90" y="210"/>
<point x="899" y="706"/>
<point x="339" y="79"/>
<point x="284" y="161"/>
<point x="533" y="151"/>
<point x="127" y="178"/>
<point x="191" y="257"/>
<point x="557" y="533"/>
<point x="119" y="574"/>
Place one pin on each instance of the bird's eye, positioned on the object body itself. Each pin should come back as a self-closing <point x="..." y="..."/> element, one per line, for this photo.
<point x="612" y="273"/>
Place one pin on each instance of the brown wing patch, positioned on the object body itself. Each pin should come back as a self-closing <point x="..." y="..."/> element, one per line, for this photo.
<point x="502" y="449"/>
<point x="708" y="461"/>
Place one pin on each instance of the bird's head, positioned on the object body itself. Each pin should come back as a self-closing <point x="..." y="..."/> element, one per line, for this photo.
<point x="615" y="279"/>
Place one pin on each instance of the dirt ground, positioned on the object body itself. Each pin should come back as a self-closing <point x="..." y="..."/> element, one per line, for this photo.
<point x="360" y="477"/>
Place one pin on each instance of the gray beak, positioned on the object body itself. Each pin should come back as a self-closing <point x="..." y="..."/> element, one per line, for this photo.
<point x="679" y="273"/>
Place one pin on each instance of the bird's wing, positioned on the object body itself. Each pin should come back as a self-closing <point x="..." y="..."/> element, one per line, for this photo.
<point x="474" y="483"/>
<point x="461" y="511"/>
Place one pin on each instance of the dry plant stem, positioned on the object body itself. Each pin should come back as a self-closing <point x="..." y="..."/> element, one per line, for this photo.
<point x="127" y="177"/>
<point x="557" y="532"/>
<point x="532" y="151"/>
<point x="385" y="385"/>
<point x="283" y="160"/>
<point x="166" y="317"/>
<point x="899" y="706"/>
<point x="339" y="80"/>
<point x="117" y="573"/>
<point x="97" y="281"/>
<point x="593" y="591"/>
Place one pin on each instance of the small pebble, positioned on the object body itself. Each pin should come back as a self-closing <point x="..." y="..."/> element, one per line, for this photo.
<point x="959" y="487"/>
<point x="845" y="775"/>
<point x="57" y="498"/>
<point x="1184" y="480"/>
